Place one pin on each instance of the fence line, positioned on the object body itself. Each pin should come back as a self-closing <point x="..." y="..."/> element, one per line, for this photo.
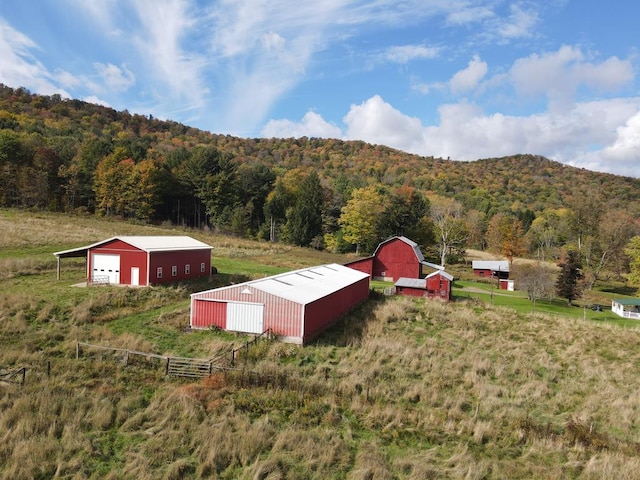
<point x="17" y="376"/>
<point x="267" y="334"/>
<point x="182" y="366"/>
<point x="174" y="366"/>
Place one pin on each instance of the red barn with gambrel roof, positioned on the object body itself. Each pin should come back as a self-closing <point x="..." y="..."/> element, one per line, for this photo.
<point x="394" y="258"/>
<point x="143" y="260"/>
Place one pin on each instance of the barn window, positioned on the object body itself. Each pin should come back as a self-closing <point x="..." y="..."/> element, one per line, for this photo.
<point x="187" y="269"/>
<point x="174" y="270"/>
<point x="202" y="267"/>
<point x="159" y="272"/>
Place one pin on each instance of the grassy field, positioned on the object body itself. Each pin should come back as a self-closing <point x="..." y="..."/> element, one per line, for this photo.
<point x="399" y="389"/>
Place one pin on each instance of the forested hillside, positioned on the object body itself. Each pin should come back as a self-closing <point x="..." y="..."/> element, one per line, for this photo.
<point x="68" y="155"/>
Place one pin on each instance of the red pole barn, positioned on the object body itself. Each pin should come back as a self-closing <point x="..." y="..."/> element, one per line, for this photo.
<point x="143" y="260"/>
<point x="297" y="306"/>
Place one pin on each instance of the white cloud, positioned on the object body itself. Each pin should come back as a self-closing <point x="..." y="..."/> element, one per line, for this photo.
<point x="96" y="100"/>
<point x="623" y="152"/>
<point x="557" y="75"/>
<point x="375" y="121"/>
<point x="520" y="23"/>
<point x="115" y="78"/>
<point x="18" y="66"/>
<point x="468" y="79"/>
<point x="467" y="14"/>
<point x="407" y="53"/>
<point x="312" y="125"/>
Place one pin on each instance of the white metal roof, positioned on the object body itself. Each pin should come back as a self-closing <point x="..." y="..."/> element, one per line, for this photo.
<point x="446" y="275"/>
<point x="158" y="243"/>
<point x="411" y="282"/>
<point x="306" y="285"/>
<point x="147" y="243"/>
<point x="421" y="282"/>
<point x="493" y="265"/>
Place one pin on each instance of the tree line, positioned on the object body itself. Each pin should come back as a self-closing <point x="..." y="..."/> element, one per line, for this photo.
<point x="67" y="155"/>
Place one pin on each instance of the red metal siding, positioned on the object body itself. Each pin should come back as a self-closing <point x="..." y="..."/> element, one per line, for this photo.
<point x="411" y="292"/>
<point x="179" y="259"/>
<point x="364" y="265"/>
<point x="437" y="287"/>
<point x="206" y="314"/>
<point x="396" y="259"/>
<point x="282" y="316"/>
<point x="129" y="257"/>
<point x="324" y="312"/>
<point x="482" y="272"/>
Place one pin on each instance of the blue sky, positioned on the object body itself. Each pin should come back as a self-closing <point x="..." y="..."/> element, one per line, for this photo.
<point x="459" y="79"/>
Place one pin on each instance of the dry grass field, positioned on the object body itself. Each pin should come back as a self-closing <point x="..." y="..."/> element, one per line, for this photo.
<point x="399" y="389"/>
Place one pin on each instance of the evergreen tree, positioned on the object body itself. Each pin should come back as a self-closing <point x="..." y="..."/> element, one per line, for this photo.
<point x="568" y="282"/>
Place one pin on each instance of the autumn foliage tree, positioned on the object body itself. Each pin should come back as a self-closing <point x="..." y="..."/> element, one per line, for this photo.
<point x="359" y="218"/>
<point x="505" y="236"/>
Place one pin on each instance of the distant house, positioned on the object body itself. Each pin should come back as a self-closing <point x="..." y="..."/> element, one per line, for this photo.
<point x="626" y="308"/>
<point x="491" y="268"/>
<point x="397" y="257"/>
<point x="143" y="260"/>
<point x="297" y="306"/>
<point x="434" y="285"/>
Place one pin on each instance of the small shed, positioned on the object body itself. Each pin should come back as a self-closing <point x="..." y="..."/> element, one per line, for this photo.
<point x="434" y="285"/>
<point x="297" y="306"/>
<point x="491" y="268"/>
<point x="626" y="307"/>
<point x="397" y="257"/>
<point x="143" y="260"/>
<point x="508" y="285"/>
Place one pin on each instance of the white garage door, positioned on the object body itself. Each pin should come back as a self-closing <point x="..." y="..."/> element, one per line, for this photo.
<point x="106" y="268"/>
<point x="245" y="317"/>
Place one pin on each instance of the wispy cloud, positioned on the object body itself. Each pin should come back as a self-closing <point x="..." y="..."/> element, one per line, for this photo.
<point x="406" y="53"/>
<point x="520" y="23"/>
<point x="115" y="78"/>
<point x="18" y="66"/>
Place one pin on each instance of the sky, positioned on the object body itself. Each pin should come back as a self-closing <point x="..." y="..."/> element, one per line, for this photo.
<point x="458" y="79"/>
